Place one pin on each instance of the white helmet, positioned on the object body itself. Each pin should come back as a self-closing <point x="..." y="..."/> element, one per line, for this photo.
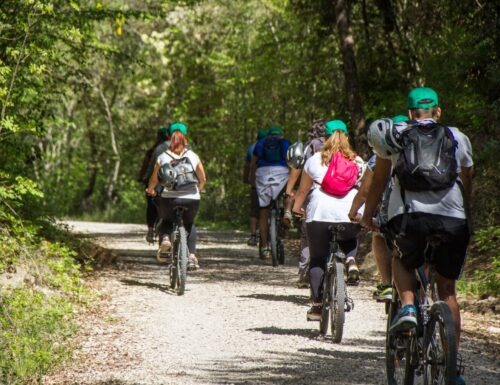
<point x="167" y="176"/>
<point x="295" y="155"/>
<point x="384" y="137"/>
<point x="361" y="167"/>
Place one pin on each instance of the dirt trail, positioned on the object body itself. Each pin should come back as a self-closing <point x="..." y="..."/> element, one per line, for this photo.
<point x="240" y="322"/>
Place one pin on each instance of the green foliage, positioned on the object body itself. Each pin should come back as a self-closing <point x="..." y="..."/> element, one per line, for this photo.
<point x="485" y="279"/>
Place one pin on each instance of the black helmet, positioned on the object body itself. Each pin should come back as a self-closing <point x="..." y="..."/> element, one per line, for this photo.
<point x="167" y="176"/>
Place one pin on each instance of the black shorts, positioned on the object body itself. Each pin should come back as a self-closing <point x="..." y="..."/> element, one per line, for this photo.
<point x="254" y="203"/>
<point x="449" y="254"/>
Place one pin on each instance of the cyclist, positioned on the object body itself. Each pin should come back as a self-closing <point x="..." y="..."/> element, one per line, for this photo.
<point x="296" y="161"/>
<point x="381" y="248"/>
<point x="254" y="199"/>
<point x="415" y="215"/>
<point x="269" y="174"/>
<point x="170" y="199"/>
<point x="162" y="136"/>
<point x="325" y="209"/>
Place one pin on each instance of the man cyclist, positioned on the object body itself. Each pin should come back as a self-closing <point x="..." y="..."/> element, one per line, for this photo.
<point x="254" y="199"/>
<point x="381" y="247"/>
<point x="315" y="143"/>
<point x="162" y="143"/>
<point x="415" y="215"/>
<point x="269" y="174"/>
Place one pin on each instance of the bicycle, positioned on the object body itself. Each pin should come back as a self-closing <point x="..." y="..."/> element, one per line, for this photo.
<point x="335" y="300"/>
<point x="178" y="253"/>
<point x="426" y="354"/>
<point x="276" y="231"/>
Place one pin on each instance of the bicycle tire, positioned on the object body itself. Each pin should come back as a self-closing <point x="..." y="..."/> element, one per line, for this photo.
<point x="325" y="306"/>
<point x="174" y="264"/>
<point x="398" y="366"/>
<point x="273" y="236"/>
<point x="337" y="302"/>
<point x="182" y="261"/>
<point x="441" y="364"/>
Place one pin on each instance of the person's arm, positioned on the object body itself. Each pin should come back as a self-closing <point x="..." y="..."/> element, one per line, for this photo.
<point x="200" y="173"/>
<point x="253" y="169"/>
<point x="361" y="195"/>
<point x="246" y="172"/>
<point x="466" y="175"/>
<point x="153" y="181"/>
<point x="294" y="176"/>
<point x="306" y="183"/>
<point x="381" y="175"/>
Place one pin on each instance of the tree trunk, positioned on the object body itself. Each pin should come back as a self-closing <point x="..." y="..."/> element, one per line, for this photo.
<point x="352" y="88"/>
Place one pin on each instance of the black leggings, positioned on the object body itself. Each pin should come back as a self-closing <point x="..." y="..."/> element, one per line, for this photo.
<point x="166" y="211"/>
<point x="319" y="248"/>
<point x="151" y="211"/>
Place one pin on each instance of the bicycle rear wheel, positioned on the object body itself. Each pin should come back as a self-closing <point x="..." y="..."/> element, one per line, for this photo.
<point x="325" y="305"/>
<point x="337" y="302"/>
<point x="440" y="346"/>
<point x="174" y="237"/>
<point x="273" y="236"/>
<point x="397" y="352"/>
<point x="182" y="259"/>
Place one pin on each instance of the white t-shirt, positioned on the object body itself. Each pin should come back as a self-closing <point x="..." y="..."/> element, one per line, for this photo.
<point x="323" y="207"/>
<point x="446" y="202"/>
<point x="167" y="157"/>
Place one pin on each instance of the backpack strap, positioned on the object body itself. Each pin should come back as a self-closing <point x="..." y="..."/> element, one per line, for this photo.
<point x="404" y="221"/>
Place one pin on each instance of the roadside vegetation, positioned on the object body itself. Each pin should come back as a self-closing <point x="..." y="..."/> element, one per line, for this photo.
<point x="84" y="85"/>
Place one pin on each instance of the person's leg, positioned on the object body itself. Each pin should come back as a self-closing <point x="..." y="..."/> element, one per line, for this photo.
<point x="192" y="239"/>
<point x="304" y="256"/>
<point x="151" y="216"/>
<point x="383" y="260"/>
<point x="188" y="217"/>
<point x="254" y="216"/>
<point x="348" y="243"/>
<point x="166" y="213"/>
<point x="447" y="293"/>
<point x="264" y="227"/>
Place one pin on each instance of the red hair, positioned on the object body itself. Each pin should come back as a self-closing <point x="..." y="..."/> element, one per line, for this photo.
<point x="178" y="142"/>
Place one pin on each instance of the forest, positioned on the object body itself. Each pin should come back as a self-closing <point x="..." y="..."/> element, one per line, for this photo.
<point x="85" y="84"/>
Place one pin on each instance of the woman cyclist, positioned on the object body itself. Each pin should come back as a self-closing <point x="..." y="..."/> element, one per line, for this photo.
<point x="170" y="199"/>
<point x="323" y="210"/>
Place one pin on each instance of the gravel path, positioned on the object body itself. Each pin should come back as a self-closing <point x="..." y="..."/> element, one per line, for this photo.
<point x="240" y="322"/>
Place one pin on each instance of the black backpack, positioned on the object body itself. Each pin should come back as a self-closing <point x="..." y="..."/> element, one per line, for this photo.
<point x="273" y="149"/>
<point x="186" y="174"/>
<point x="427" y="161"/>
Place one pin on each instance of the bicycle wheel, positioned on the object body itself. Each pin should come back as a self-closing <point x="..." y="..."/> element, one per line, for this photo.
<point x="273" y="236"/>
<point x="325" y="305"/>
<point x="174" y="265"/>
<point x="182" y="259"/>
<point x="440" y="346"/>
<point x="337" y="302"/>
<point x="397" y="353"/>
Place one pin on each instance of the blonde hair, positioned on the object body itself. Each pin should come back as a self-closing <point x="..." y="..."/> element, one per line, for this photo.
<point x="338" y="141"/>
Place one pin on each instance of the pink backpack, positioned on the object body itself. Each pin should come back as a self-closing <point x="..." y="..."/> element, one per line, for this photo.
<point x="341" y="176"/>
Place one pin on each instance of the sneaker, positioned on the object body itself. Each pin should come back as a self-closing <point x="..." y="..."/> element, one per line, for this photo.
<point x="314" y="313"/>
<point x="265" y="253"/>
<point x="405" y="320"/>
<point x="353" y="274"/>
<point x="193" y="262"/>
<point x="383" y="293"/>
<point x="252" y="241"/>
<point x="165" y="244"/>
<point x="460" y="380"/>
<point x="287" y="218"/>
<point x="162" y="257"/>
<point x="150" y="237"/>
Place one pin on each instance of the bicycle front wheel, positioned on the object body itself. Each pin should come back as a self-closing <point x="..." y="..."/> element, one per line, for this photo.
<point x="440" y="346"/>
<point x="273" y="236"/>
<point x="337" y="302"/>
<point x="182" y="259"/>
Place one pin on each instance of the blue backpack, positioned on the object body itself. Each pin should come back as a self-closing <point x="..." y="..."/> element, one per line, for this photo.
<point x="273" y="149"/>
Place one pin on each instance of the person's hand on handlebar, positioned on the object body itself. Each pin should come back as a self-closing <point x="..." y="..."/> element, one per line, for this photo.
<point x="298" y="211"/>
<point x="151" y="192"/>
<point x="370" y="224"/>
<point x="356" y="218"/>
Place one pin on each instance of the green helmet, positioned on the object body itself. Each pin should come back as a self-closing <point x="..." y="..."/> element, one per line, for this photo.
<point x="400" y="118"/>
<point x="334" y="125"/>
<point x="275" y="130"/>
<point x="422" y="97"/>
<point x="177" y="126"/>
<point x="262" y="133"/>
